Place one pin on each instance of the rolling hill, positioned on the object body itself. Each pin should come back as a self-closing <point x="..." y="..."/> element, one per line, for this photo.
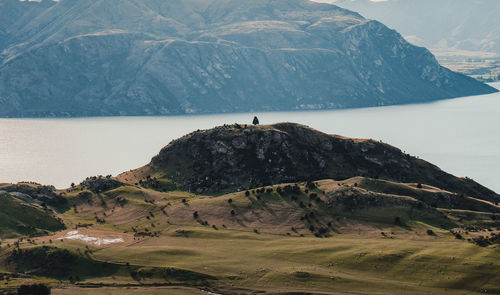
<point x="272" y="209"/>
<point x="239" y="157"/>
<point x="21" y="216"/>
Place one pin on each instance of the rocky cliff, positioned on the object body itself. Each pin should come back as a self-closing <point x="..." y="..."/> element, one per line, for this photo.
<point x="236" y="157"/>
<point x="152" y="57"/>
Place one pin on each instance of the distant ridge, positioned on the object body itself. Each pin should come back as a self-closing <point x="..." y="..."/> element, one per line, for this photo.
<point x="155" y="57"/>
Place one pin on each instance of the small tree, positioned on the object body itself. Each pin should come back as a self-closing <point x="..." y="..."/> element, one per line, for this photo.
<point x="255" y="120"/>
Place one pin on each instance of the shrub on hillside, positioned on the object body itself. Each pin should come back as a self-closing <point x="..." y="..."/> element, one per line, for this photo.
<point x="99" y="184"/>
<point x="38" y="289"/>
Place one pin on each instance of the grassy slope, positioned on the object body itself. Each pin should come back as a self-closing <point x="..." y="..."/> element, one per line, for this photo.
<point x="356" y="257"/>
<point x="17" y="218"/>
<point x="366" y="263"/>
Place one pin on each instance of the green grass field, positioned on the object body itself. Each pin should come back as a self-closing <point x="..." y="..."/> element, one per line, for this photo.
<point x="265" y="246"/>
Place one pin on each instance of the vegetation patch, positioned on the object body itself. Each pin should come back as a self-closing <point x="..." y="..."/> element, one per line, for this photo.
<point x="17" y="217"/>
<point x="99" y="184"/>
<point x="171" y="275"/>
<point x="45" y="195"/>
<point x="58" y="263"/>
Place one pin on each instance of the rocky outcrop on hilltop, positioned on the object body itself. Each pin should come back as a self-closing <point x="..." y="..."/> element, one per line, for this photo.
<point x="35" y="193"/>
<point x="155" y="57"/>
<point x="240" y="157"/>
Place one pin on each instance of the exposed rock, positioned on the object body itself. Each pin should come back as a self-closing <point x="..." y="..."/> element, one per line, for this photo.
<point x="209" y="161"/>
<point x="40" y="194"/>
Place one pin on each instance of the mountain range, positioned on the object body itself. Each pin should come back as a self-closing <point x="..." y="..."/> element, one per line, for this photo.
<point x="469" y="25"/>
<point x="152" y="57"/>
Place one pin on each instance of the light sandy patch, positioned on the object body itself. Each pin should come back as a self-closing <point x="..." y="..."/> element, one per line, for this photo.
<point x="98" y="241"/>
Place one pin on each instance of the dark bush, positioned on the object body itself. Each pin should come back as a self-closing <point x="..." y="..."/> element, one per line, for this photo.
<point x="38" y="289"/>
<point x="311" y="185"/>
<point x="98" y="184"/>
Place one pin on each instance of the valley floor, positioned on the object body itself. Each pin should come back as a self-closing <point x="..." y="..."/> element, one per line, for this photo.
<point x="243" y="263"/>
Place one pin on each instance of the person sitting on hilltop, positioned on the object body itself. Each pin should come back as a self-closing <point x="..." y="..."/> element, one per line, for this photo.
<point x="255" y="120"/>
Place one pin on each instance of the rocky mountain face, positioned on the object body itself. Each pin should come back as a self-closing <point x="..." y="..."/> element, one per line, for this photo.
<point x="438" y="24"/>
<point x="154" y="57"/>
<point x="235" y="157"/>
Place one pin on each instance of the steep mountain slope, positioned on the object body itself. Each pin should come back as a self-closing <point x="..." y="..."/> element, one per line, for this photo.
<point x="14" y="15"/>
<point x="77" y="58"/>
<point x="469" y="25"/>
<point x="235" y="157"/>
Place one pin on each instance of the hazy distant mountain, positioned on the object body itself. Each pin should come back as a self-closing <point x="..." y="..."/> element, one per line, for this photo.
<point x="136" y="57"/>
<point x="460" y="24"/>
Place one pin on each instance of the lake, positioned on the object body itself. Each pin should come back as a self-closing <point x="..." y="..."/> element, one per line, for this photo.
<point x="462" y="136"/>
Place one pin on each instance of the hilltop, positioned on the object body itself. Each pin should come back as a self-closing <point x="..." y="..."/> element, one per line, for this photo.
<point x="155" y="57"/>
<point x="240" y="157"/>
<point x="268" y="209"/>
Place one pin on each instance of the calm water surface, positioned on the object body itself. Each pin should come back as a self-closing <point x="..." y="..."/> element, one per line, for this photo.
<point x="462" y="136"/>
